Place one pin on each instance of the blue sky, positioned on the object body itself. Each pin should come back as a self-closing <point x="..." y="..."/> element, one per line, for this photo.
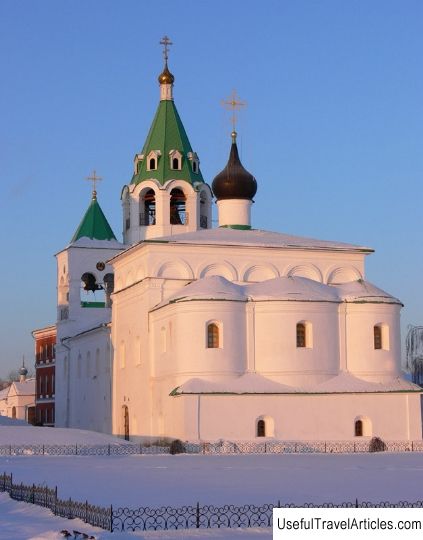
<point x="333" y="129"/>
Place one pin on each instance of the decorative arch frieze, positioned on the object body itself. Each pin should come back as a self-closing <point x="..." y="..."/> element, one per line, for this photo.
<point x="309" y="271"/>
<point x="224" y="269"/>
<point x="260" y="272"/>
<point x="343" y="274"/>
<point x="174" y="269"/>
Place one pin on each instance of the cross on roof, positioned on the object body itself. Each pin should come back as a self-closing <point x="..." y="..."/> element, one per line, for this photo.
<point x="165" y="41"/>
<point x="234" y="104"/>
<point x="94" y="179"/>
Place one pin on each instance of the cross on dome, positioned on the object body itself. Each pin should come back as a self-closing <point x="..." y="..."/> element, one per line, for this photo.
<point x="94" y="179"/>
<point x="233" y="104"/>
<point x="165" y="41"/>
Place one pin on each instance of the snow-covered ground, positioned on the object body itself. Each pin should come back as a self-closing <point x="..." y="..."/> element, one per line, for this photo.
<point x="157" y="480"/>
<point x="153" y="481"/>
<point x="16" y="432"/>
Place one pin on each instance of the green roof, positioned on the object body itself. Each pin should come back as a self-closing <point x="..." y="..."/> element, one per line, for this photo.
<point x="167" y="133"/>
<point x="94" y="224"/>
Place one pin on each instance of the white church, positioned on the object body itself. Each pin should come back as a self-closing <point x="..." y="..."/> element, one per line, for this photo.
<point x="198" y="333"/>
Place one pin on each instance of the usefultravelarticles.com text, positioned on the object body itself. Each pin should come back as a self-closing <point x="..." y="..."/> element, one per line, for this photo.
<point x="326" y="523"/>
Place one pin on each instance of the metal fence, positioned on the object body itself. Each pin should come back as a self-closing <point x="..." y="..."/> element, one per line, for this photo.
<point x="47" y="498"/>
<point x="218" y="447"/>
<point x="167" y="517"/>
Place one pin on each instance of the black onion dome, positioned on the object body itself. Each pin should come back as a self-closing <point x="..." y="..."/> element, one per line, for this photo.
<point x="234" y="182"/>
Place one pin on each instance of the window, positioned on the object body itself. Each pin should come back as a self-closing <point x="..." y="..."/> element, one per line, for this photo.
<point x="152" y="160"/>
<point x="304" y="335"/>
<point x="148" y="208"/>
<point x="194" y="167"/>
<point x="13" y="412"/>
<point x="301" y="335"/>
<point x="175" y="160"/>
<point x="212" y="336"/>
<point x="178" y="215"/>
<point x="377" y="337"/>
<point x="362" y="426"/>
<point x="358" y="429"/>
<point x="261" y="428"/>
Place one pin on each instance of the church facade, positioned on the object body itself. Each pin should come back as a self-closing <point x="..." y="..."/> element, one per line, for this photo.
<point x="187" y="331"/>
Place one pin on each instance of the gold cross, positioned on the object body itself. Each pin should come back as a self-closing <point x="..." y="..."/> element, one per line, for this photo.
<point x="94" y="179"/>
<point x="165" y="41"/>
<point x="234" y="104"/>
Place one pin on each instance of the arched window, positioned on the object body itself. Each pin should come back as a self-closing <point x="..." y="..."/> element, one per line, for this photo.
<point x="261" y="428"/>
<point x="178" y="214"/>
<point x="152" y="164"/>
<point x="301" y="335"/>
<point x="175" y="163"/>
<point x="148" y="208"/>
<point x="195" y="167"/>
<point x="377" y="337"/>
<point x="212" y="336"/>
<point x="358" y="428"/>
<point x="13" y="412"/>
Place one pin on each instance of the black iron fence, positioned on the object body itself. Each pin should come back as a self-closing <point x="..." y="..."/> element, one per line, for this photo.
<point x="167" y="517"/>
<point x="48" y="498"/>
<point x="210" y="448"/>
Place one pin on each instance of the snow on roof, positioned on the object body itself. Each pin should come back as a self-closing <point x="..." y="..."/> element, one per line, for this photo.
<point x="25" y="388"/>
<point x="253" y="383"/>
<point x="287" y="288"/>
<point x="292" y="288"/>
<point x="209" y="288"/>
<point x="86" y="242"/>
<point x="364" y="291"/>
<point x="255" y="237"/>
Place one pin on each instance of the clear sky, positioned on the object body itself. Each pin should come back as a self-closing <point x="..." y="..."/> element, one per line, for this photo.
<point x="333" y="130"/>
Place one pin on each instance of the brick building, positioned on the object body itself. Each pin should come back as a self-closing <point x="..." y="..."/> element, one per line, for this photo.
<point x="45" y="367"/>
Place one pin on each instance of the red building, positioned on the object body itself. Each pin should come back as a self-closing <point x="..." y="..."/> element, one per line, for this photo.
<point x="45" y="367"/>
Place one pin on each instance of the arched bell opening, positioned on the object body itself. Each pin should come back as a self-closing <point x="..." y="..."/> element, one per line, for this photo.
<point x="148" y="208"/>
<point x="92" y="293"/>
<point x="178" y="213"/>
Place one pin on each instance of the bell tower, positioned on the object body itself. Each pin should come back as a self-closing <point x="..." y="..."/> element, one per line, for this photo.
<point x="84" y="278"/>
<point x="167" y="194"/>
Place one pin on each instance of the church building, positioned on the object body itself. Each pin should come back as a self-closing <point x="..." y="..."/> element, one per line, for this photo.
<point x="189" y="331"/>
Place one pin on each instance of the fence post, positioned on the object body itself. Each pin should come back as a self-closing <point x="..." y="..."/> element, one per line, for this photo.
<point x="265" y="448"/>
<point x="43" y="449"/>
<point x="76" y="449"/>
<point x="10" y="449"/>
<point x="21" y="491"/>
<point x="325" y="447"/>
<point x="70" y="508"/>
<point x="33" y="494"/>
<point x="354" y="447"/>
<point x="111" y="518"/>
<point x="356" y="503"/>
<point x="108" y="450"/>
<point x="86" y="511"/>
<point x="279" y="503"/>
<point x="198" y="515"/>
<point x="11" y="483"/>
<point x="412" y="446"/>
<point x="55" y="501"/>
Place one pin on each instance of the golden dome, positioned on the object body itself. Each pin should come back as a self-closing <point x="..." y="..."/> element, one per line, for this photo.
<point x="166" y="76"/>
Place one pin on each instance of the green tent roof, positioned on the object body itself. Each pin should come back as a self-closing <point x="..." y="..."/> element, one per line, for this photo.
<point x="94" y="224"/>
<point x="167" y="133"/>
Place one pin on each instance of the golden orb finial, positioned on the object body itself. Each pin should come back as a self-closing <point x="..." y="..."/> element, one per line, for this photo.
<point x="166" y="76"/>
